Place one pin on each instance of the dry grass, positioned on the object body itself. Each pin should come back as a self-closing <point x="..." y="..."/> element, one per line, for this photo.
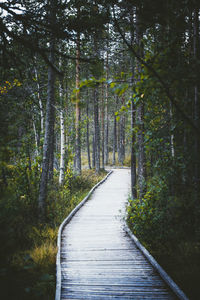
<point x="44" y="256"/>
<point x="127" y="160"/>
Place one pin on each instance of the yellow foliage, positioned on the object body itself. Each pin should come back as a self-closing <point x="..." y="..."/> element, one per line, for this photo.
<point x="44" y="255"/>
<point x="8" y="86"/>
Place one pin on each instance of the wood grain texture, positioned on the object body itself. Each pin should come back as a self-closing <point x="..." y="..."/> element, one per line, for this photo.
<point x="98" y="258"/>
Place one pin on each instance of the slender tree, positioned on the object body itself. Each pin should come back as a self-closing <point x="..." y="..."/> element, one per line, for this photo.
<point x="121" y="136"/>
<point x="140" y="115"/>
<point x="133" y="116"/>
<point x="78" y="111"/>
<point x="62" y="137"/>
<point x="96" y="129"/>
<point x="49" y="124"/>
<point x="102" y="127"/>
<point x="114" y="139"/>
<point x="196" y="48"/>
<point x="88" y="132"/>
<point x="106" y="110"/>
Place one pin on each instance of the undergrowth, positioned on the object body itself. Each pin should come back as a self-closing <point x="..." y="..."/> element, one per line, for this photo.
<point x="28" y="248"/>
<point x="168" y="226"/>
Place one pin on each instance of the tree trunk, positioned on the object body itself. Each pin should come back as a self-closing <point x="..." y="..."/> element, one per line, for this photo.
<point x="96" y="129"/>
<point x="133" y="155"/>
<point x="141" y="154"/>
<point x="93" y="151"/>
<point x="140" y="120"/>
<point x="49" y="123"/>
<point x="196" y="104"/>
<point x="88" y="134"/>
<point x="78" y="111"/>
<point x="121" y="150"/>
<point x="62" y="149"/>
<point x="114" y="140"/>
<point x="40" y="102"/>
<point x="102" y="127"/>
<point x="106" y="112"/>
<point x="36" y="139"/>
<point x="47" y="138"/>
<point x="133" y="118"/>
<point x="62" y="139"/>
<point x="52" y="145"/>
<point x="171" y="133"/>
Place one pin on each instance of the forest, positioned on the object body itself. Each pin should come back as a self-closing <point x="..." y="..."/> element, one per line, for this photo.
<point x="85" y="85"/>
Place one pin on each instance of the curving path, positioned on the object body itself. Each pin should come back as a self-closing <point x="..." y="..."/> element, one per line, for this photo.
<point x="98" y="259"/>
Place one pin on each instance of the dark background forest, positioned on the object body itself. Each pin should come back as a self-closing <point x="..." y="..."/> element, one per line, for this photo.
<point x="84" y="85"/>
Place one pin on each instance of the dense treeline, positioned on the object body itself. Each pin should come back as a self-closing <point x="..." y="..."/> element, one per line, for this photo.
<point x="91" y="83"/>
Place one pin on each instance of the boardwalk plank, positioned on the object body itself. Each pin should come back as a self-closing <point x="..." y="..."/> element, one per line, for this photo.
<point x="98" y="259"/>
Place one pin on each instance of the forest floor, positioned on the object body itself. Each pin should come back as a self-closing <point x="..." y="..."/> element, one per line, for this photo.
<point x="28" y="248"/>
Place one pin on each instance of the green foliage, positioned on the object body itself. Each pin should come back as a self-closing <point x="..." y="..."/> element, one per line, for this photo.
<point x="155" y="217"/>
<point x="28" y="248"/>
<point x="167" y="225"/>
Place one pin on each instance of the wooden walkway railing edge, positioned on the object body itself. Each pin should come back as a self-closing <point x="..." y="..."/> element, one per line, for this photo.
<point x="169" y="281"/>
<point x="66" y="220"/>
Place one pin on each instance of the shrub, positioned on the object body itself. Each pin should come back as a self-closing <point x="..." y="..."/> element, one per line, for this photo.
<point x="28" y="248"/>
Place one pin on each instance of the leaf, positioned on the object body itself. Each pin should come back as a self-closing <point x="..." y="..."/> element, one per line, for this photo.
<point x="112" y="85"/>
<point x="123" y="108"/>
<point x="136" y="100"/>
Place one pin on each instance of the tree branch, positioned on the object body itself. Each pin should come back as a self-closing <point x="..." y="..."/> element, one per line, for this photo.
<point x="156" y="75"/>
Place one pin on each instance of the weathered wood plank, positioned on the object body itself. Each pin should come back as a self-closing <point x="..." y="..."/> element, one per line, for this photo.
<point x="132" y="285"/>
<point x="98" y="258"/>
<point x="100" y="297"/>
<point x="120" y="295"/>
<point x="129" y="264"/>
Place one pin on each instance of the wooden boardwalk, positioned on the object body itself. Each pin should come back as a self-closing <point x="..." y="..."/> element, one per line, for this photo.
<point x="98" y="259"/>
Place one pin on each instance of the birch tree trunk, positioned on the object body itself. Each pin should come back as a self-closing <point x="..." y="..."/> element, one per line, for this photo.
<point x="39" y="101"/>
<point x="171" y="132"/>
<point x="62" y="139"/>
<point x="36" y="139"/>
<point x="78" y="111"/>
<point x="52" y="144"/>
